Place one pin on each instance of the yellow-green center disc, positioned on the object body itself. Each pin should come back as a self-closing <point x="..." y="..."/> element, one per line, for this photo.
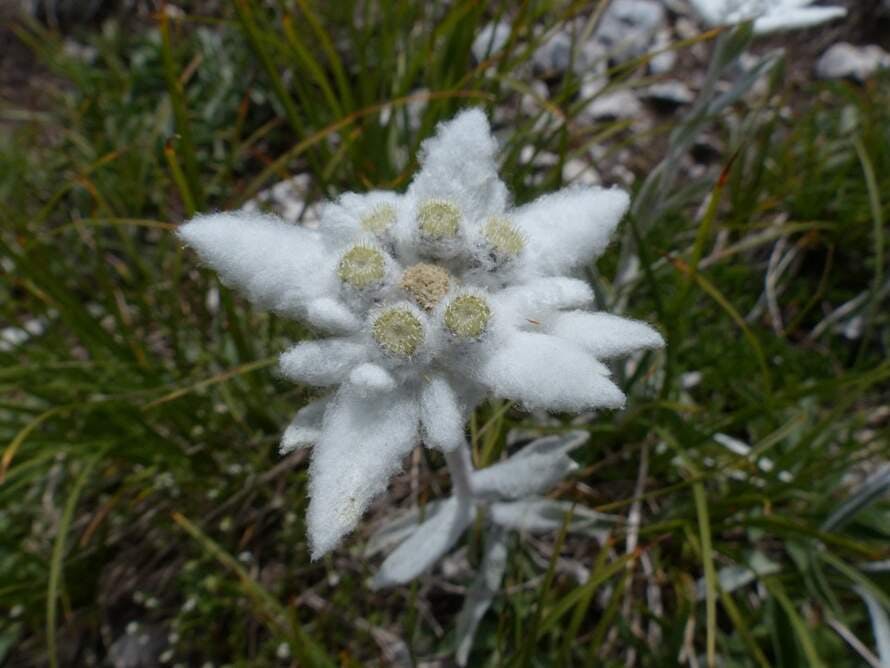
<point x="398" y="331"/>
<point x="467" y="316"/>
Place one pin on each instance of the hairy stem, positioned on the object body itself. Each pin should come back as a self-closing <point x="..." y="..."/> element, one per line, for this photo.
<point x="460" y="468"/>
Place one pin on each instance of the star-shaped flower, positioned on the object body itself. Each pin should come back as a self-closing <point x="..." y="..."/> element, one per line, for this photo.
<point x="768" y="15"/>
<point x="434" y="299"/>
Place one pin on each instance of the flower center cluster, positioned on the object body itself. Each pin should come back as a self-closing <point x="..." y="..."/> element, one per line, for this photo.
<point x="400" y="329"/>
<point x="426" y="283"/>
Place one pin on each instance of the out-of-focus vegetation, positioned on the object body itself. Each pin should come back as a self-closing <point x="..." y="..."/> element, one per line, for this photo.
<point x="143" y="508"/>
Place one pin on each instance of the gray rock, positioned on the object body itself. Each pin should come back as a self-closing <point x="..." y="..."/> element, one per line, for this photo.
<point x="845" y="61"/>
<point x="554" y="55"/>
<point x="619" y="104"/>
<point x="663" y="62"/>
<point x="672" y="92"/>
<point x="578" y="172"/>
<point x="628" y="28"/>
<point x="490" y="40"/>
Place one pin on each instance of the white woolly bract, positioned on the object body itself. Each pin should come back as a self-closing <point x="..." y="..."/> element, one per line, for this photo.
<point x="542" y="371"/>
<point x="567" y="229"/>
<point x="305" y="428"/>
<point x="603" y="334"/>
<point x="458" y="164"/>
<point x="539" y="298"/>
<point x="369" y="377"/>
<point x="441" y="417"/>
<point x="331" y="315"/>
<point x="362" y="444"/>
<point x="432" y="539"/>
<point x="321" y="363"/>
<point x="277" y="265"/>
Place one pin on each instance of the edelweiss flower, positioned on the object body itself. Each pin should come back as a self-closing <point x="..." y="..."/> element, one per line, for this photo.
<point x="768" y="15"/>
<point x="434" y="299"/>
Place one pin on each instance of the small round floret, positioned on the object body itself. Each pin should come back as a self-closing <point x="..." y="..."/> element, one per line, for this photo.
<point x="438" y="219"/>
<point x="503" y="236"/>
<point x="361" y="266"/>
<point x="467" y="316"/>
<point x="380" y="219"/>
<point x="398" y="331"/>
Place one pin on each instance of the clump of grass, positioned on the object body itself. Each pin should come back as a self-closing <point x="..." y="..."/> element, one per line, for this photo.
<point x="140" y="415"/>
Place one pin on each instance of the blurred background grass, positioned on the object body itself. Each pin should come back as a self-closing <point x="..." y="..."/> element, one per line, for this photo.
<point x="145" y="516"/>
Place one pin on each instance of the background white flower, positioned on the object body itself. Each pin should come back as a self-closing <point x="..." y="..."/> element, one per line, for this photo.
<point x="434" y="300"/>
<point x="768" y="15"/>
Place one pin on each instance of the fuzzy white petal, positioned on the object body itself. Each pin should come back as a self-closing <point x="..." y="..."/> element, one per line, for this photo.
<point x="305" y="428"/>
<point x="321" y="363"/>
<point x="569" y="228"/>
<point x="539" y="297"/>
<point x="370" y="377"/>
<point x="331" y="315"/>
<point x="275" y="264"/>
<point x="426" y="545"/>
<point x="362" y="444"/>
<point x="543" y="371"/>
<point x="440" y="415"/>
<point x="458" y="164"/>
<point x="605" y="335"/>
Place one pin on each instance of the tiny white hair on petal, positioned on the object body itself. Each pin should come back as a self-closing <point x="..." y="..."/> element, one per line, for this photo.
<point x="332" y="315"/>
<point x="362" y="444"/>
<point x="569" y="228"/>
<point x="441" y="417"/>
<point x="603" y="334"/>
<point x="369" y="377"/>
<point x="276" y="264"/>
<point x="433" y="538"/>
<point x="321" y="363"/>
<point x="458" y="165"/>
<point x="543" y="371"/>
<point x="305" y="428"/>
<point x="538" y="298"/>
